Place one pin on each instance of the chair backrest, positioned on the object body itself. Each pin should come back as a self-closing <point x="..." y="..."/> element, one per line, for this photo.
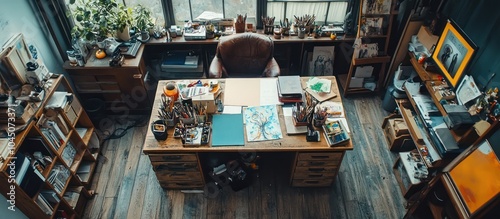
<point x="245" y="54"/>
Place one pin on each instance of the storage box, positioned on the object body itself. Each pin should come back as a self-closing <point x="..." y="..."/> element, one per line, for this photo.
<point x="397" y="134"/>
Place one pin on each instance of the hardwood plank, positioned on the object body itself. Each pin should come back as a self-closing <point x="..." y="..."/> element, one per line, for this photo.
<point x="133" y="170"/>
<point x="94" y="206"/>
<point x="195" y="206"/>
<point x="176" y="198"/>
<point x="336" y="200"/>
<point x="137" y="196"/>
<point x="154" y="196"/>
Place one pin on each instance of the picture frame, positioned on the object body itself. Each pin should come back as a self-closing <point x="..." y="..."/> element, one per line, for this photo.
<point x="376" y="7"/>
<point x="454" y="51"/>
<point x="372" y="26"/>
<point x="475" y="178"/>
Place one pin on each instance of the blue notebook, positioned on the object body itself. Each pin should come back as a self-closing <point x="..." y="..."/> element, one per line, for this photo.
<point x="227" y="130"/>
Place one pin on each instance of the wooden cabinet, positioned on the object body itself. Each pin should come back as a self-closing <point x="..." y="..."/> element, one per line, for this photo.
<point x="53" y="158"/>
<point x="122" y="88"/>
<point x="314" y="169"/>
<point x="374" y="30"/>
<point x="177" y="170"/>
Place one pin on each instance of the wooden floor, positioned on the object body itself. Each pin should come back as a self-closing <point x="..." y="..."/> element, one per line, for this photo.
<point x="126" y="186"/>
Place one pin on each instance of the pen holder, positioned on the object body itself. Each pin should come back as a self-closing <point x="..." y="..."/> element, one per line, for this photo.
<point x="159" y="130"/>
<point x="239" y="27"/>
<point x="171" y="122"/>
<point x="187" y="121"/>
<point x="201" y="118"/>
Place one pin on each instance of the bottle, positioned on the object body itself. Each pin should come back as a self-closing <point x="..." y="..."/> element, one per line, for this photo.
<point x="171" y="91"/>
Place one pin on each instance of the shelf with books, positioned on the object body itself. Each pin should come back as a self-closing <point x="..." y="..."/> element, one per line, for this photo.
<point x="370" y="46"/>
<point x="48" y="153"/>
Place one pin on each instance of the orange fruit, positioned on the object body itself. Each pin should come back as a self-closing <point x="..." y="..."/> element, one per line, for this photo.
<point x="100" y="54"/>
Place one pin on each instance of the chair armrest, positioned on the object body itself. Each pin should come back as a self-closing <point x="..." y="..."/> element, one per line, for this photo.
<point x="215" y="70"/>
<point x="272" y="69"/>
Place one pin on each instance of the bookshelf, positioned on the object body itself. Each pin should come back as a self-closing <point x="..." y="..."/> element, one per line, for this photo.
<point x="47" y="155"/>
<point x="370" y="47"/>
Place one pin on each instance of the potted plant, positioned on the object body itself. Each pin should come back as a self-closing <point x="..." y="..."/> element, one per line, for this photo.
<point x="92" y="23"/>
<point x="143" y="21"/>
<point x="122" y="22"/>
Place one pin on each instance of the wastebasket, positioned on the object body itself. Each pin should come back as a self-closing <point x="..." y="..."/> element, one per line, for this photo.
<point x="389" y="102"/>
<point x="96" y="109"/>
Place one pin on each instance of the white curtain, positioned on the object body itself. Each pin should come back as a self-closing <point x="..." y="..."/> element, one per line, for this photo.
<point x="335" y="15"/>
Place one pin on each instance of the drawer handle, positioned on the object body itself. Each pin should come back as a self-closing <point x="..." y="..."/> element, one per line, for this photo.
<point x="177" y="174"/>
<point x="137" y="76"/>
<point x="320" y="156"/>
<point x="172" y="157"/>
<point x="316" y="163"/>
<point x="312" y="181"/>
<point x="315" y="175"/>
<point x="182" y="184"/>
<point x="316" y="169"/>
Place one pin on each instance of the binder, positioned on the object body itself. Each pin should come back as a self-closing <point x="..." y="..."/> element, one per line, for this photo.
<point x="227" y="130"/>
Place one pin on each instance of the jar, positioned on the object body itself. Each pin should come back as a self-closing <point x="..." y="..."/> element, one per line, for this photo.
<point x="72" y="58"/>
<point x="171" y="91"/>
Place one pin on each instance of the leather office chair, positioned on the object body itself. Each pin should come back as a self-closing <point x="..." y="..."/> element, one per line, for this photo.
<point x="244" y="55"/>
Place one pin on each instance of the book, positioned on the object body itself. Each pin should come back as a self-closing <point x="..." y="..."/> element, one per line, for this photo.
<point x="290" y="86"/>
<point x="58" y="100"/>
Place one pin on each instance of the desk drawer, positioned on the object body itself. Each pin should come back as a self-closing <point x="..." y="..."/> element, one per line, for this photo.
<point x="330" y="156"/>
<point x="312" y="182"/>
<point x="175" y="166"/>
<point x="314" y="175"/>
<point x="307" y="170"/>
<point x="174" y="157"/>
<point x="314" y="163"/>
<point x="178" y="176"/>
<point x="181" y="184"/>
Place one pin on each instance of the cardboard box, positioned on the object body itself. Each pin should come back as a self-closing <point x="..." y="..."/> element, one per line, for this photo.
<point x="206" y="100"/>
<point x="397" y="135"/>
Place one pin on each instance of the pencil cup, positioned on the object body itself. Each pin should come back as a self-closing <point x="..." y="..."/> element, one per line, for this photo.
<point x="171" y="122"/>
<point x="201" y="118"/>
<point x="239" y="27"/>
<point x="159" y="130"/>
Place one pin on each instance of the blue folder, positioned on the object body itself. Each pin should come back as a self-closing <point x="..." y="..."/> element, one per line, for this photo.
<point x="227" y="130"/>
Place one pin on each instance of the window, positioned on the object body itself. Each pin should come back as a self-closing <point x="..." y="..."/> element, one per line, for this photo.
<point x="188" y="10"/>
<point x="154" y="5"/>
<point x="326" y="11"/>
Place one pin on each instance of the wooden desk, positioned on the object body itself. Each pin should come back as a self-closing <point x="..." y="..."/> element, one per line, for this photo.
<point x="122" y="88"/>
<point x="177" y="167"/>
<point x="288" y="51"/>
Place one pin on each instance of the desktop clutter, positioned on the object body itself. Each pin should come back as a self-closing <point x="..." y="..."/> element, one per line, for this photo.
<point x="316" y="112"/>
<point x="184" y="107"/>
<point x="192" y="110"/>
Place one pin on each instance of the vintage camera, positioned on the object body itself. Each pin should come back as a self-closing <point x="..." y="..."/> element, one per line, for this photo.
<point x="116" y="59"/>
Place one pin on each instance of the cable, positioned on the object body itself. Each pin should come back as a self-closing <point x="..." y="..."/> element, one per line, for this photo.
<point x="120" y="132"/>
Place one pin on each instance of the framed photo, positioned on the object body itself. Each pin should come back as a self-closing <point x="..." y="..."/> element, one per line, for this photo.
<point x="322" y="61"/>
<point x="372" y="26"/>
<point x="453" y="52"/>
<point x="367" y="50"/>
<point x="376" y="6"/>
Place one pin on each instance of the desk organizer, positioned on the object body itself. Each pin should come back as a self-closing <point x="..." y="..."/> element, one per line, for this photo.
<point x="335" y="133"/>
<point x="194" y="135"/>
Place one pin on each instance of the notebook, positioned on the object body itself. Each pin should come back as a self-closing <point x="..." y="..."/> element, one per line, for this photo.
<point x="290" y="86"/>
<point x="227" y="130"/>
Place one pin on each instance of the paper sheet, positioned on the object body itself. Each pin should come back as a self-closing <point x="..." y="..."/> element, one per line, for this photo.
<point x="467" y="90"/>
<point x="250" y="92"/>
<point x="268" y="92"/>
<point x="231" y="110"/>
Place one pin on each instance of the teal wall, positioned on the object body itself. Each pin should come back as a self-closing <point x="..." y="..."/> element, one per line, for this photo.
<point x="480" y="20"/>
<point x="18" y="17"/>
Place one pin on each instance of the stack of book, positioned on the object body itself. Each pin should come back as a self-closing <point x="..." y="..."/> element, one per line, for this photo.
<point x="58" y="177"/>
<point x="290" y="89"/>
<point x="69" y="154"/>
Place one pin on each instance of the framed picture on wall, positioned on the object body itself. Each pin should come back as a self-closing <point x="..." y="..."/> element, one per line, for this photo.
<point x="376" y="6"/>
<point x="453" y="52"/>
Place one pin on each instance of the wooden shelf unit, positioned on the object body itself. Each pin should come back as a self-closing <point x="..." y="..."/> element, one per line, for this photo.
<point x="379" y="62"/>
<point x="58" y="157"/>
